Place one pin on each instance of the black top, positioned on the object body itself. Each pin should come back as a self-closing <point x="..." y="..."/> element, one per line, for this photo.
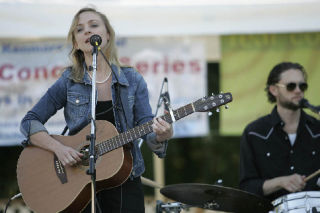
<point x="266" y="152"/>
<point x="104" y="111"/>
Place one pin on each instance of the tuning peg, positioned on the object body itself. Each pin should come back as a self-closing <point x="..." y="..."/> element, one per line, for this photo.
<point x="210" y="114"/>
<point x="217" y="110"/>
<point x="226" y="106"/>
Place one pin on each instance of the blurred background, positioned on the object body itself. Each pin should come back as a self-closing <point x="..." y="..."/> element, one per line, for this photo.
<point x="201" y="47"/>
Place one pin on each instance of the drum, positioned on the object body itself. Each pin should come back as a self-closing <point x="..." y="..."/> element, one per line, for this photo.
<point x="300" y="202"/>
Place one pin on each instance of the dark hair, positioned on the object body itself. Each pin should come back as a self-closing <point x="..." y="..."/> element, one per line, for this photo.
<point x="274" y="75"/>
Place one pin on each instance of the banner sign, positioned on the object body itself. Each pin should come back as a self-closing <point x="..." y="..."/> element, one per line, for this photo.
<point x="28" y="68"/>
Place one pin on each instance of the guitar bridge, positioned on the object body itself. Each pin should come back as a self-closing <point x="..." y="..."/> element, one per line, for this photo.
<point x="60" y="170"/>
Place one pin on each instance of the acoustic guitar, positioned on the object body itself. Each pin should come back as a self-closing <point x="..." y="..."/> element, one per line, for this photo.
<point x="47" y="186"/>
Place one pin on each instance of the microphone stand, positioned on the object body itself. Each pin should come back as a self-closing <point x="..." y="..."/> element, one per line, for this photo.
<point x="315" y="109"/>
<point x="158" y="164"/>
<point x="160" y="100"/>
<point x="92" y="160"/>
<point x="161" y="97"/>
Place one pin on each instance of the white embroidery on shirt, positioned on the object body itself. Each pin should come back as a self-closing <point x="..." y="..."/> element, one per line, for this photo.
<point x="261" y="136"/>
<point x="312" y="135"/>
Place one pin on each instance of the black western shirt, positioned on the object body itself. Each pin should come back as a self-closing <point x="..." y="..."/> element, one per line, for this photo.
<point x="266" y="153"/>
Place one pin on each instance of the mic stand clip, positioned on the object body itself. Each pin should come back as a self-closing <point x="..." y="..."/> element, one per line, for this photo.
<point x="168" y="107"/>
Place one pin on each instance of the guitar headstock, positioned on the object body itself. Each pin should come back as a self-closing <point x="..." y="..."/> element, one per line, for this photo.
<point x="205" y="104"/>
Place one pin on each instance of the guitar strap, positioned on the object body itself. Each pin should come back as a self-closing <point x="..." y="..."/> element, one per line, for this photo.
<point x="64" y="130"/>
<point x="117" y="107"/>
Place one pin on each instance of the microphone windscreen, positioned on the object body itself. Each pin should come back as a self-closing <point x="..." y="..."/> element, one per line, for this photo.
<point x="303" y="103"/>
<point x="95" y="40"/>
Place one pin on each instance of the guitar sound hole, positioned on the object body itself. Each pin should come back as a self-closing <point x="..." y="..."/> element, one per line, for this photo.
<point x="86" y="155"/>
<point x="85" y="158"/>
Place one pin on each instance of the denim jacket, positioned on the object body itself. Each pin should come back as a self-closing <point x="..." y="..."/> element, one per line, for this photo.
<point x="75" y="98"/>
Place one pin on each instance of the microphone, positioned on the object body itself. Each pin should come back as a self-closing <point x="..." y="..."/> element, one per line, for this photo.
<point x="166" y="95"/>
<point x="95" y="40"/>
<point x="304" y="103"/>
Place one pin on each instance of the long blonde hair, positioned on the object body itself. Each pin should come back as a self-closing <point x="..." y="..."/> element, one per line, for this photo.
<point x="77" y="55"/>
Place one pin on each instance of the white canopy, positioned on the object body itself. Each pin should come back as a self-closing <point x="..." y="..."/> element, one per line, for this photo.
<point x="52" y="18"/>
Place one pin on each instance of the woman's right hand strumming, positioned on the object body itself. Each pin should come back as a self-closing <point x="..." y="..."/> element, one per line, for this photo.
<point x="67" y="155"/>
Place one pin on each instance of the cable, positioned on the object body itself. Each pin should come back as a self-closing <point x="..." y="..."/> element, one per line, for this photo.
<point x="9" y="201"/>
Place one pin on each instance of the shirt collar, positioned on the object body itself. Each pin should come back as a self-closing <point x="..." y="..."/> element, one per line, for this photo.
<point x="305" y="118"/>
<point x="275" y="117"/>
<point x="276" y="120"/>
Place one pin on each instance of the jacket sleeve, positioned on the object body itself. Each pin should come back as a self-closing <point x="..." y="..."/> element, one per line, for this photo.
<point x="250" y="179"/>
<point x="43" y="110"/>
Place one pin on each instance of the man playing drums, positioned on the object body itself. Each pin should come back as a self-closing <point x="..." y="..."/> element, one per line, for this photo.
<point x="279" y="150"/>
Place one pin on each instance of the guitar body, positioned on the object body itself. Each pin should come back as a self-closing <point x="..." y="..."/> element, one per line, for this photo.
<point x="43" y="191"/>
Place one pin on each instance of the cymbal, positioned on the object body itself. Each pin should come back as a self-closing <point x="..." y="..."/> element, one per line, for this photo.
<point x="214" y="197"/>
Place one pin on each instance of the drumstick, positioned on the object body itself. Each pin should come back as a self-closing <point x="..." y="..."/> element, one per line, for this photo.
<point x="151" y="183"/>
<point x="312" y="175"/>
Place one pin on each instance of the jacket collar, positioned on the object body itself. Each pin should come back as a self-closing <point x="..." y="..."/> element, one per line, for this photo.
<point x="118" y="76"/>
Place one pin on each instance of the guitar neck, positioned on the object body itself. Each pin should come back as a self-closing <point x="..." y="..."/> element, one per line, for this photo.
<point x="139" y="131"/>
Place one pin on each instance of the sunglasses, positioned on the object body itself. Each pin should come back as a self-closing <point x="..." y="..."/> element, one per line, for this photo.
<point x="292" y="86"/>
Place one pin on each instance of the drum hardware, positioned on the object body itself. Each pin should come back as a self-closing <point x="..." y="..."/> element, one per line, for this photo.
<point x="11" y="199"/>
<point x="215" y="197"/>
<point x="212" y="205"/>
<point x="300" y="202"/>
<point x="174" y="207"/>
<point x="219" y="182"/>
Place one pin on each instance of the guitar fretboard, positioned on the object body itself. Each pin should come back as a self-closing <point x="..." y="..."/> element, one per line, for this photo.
<point x="139" y="131"/>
